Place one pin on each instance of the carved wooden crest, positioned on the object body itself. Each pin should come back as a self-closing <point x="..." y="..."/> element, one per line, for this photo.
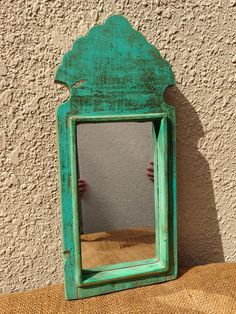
<point x="114" y="66"/>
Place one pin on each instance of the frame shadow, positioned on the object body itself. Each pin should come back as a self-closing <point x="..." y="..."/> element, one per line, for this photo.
<point x="199" y="239"/>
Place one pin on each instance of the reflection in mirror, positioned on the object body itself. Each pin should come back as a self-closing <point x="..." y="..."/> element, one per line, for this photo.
<point x="117" y="210"/>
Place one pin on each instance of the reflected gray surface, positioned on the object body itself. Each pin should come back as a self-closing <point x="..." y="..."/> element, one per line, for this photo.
<point x="113" y="158"/>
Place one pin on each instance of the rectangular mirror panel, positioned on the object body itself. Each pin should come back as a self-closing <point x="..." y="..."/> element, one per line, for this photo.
<point x="117" y="210"/>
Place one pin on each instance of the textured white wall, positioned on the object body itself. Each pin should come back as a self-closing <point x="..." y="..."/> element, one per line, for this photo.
<point x="198" y="39"/>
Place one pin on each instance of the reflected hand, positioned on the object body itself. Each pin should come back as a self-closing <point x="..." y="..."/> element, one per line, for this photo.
<point x="83" y="186"/>
<point x="150" y="171"/>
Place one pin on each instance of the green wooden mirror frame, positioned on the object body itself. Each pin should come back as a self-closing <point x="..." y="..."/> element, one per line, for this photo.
<point x="115" y="75"/>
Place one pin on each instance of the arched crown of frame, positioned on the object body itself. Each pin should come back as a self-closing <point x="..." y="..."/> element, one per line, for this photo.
<point x="114" y="68"/>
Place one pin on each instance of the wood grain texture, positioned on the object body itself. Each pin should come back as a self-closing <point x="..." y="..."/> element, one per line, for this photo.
<point x="115" y="75"/>
<point x="118" y="69"/>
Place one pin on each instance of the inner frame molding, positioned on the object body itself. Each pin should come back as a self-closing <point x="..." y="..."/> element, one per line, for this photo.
<point x="121" y="80"/>
<point x="87" y="278"/>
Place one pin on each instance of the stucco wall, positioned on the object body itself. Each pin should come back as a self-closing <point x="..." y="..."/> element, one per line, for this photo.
<point x="198" y="39"/>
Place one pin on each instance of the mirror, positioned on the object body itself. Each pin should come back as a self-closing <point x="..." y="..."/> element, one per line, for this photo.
<point x="117" y="209"/>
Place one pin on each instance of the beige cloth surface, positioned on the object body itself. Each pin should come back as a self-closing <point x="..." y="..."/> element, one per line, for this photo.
<point x="202" y="289"/>
<point x="120" y="246"/>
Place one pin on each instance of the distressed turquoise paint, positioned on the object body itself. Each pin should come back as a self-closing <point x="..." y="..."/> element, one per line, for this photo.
<point x="162" y="158"/>
<point x="107" y="275"/>
<point x="119" y="71"/>
<point x="115" y="75"/>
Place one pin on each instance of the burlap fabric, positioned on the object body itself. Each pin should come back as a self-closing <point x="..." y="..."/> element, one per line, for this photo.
<point x="202" y="289"/>
<point x="104" y="248"/>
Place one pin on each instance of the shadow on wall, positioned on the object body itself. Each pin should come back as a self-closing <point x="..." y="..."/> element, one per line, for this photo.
<point x="198" y="228"/>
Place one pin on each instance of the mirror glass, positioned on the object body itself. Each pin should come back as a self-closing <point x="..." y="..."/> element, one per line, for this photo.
<point x="117" y="208"/>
